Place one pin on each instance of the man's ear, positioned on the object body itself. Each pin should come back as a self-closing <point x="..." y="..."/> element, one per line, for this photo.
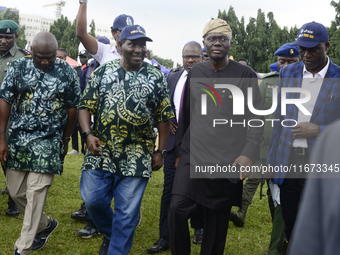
<point x="327" y="45"/>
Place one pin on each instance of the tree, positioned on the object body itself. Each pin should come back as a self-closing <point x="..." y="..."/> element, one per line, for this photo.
<point x="65" y="33"/>
<point x="168" y="63"/>
<point x="334" y="35"/>
<point x="238" y="32"/>
<point x="258" y="40"/>
<point x="93" y="29"/>
<point x="21" y="40"/>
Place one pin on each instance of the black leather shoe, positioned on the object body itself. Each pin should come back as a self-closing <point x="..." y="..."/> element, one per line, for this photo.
<point x="198" y="236"/>
<point x="235" y="219"/>
<point x="159" y="246"/>
<point x="80" y="214"/>
<point x="12" y="210"/>
<point x="104" y="247"/>
<point x="4" y="191"/>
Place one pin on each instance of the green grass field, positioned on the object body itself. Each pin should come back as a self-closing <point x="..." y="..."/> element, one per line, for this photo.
<point x="64" y="199"/>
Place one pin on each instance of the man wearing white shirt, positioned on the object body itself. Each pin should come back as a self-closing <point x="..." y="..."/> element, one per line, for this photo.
<point x="192" y="54"/>
<point x="101" y="52"/>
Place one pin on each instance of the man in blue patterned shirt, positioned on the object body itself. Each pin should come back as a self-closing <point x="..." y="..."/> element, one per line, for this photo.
<point x="43" y="92"/>
<point x="126" y="96"/>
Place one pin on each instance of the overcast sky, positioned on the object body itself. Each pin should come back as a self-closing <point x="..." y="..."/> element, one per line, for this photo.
<point x="173" y="23"/>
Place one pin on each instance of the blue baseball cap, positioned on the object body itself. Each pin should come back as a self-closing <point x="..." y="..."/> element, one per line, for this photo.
<point x="133" y="32"/>
<point x="122" y="21"/>
<point x="274" y="67"/>
<point x="288" y="50"/>
<point x="311" y="34"/>
<point x="102" y="39"/>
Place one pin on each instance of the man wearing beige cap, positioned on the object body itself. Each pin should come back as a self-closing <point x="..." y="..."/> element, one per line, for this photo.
<point x="200" y="144"/>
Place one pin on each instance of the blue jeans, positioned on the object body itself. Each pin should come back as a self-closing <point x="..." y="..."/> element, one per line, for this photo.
<point x="97" y="188"/>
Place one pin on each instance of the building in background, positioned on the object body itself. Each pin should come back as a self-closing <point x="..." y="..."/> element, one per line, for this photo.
<point x="35" y="24"/>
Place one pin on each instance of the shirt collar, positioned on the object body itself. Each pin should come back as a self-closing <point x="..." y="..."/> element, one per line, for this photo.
<point x="321" y="73"/>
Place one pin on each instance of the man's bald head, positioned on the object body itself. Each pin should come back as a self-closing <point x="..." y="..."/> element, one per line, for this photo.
<point x="44" y="50"/>
<point x="45" y="39"/>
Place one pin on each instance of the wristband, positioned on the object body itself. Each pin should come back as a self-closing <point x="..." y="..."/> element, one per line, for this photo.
<point x="86" y="134"/>
<point x="83" y="1"/>
<point x="163" y="152"/>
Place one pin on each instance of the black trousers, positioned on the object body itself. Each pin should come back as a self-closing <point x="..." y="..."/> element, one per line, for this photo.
<point x="215" y="227"/>
<point x="169" y="169"/>
<point x="291" y="192"/>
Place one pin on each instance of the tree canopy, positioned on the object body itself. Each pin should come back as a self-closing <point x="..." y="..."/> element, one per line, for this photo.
<point x="262" y="36"/>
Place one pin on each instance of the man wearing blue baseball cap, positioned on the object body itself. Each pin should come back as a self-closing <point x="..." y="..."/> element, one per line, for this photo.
<point x="101" y="52"/>
<point x="120" y="157"/>
<point x="317" y="76"/>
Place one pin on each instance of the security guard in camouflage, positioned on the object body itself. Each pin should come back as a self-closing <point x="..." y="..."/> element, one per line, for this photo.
<point x="8" y="53"/>
<point x="287" y="54"/>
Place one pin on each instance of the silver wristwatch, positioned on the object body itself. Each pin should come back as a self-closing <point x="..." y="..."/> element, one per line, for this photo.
<point x="83" y="1"/>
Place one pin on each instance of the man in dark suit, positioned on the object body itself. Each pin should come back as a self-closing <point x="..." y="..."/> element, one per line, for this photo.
<point x="292" y="143"/>
<point x="192" y="54"/>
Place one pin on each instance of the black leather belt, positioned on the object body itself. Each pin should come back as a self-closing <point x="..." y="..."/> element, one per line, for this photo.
<point x="300" y="151"/>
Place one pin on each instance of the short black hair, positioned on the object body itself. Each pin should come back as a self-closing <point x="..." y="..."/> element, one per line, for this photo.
<point x="62" y="50"/>
<point x="196" y="44"/>
<point x="114" y="29"/>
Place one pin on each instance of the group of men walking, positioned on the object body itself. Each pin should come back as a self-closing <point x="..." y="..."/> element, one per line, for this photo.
<point x="127" y="96"/>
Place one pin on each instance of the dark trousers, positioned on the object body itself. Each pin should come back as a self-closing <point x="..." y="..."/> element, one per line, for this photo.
<point x="74" y="136"/>
<point x="291" y="192"/>
<point x="169" y="175"/>
<point x="197" y="221"/>
<point x="10" y="201"/>
<point x="215" y="227"/>
<point x="278" y="230"/>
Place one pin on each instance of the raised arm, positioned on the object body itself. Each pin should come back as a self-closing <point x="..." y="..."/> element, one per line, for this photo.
<point x="87" y="40"/>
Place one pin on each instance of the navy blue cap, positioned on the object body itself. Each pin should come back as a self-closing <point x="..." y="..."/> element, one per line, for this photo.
<point x="311" y="34"/>
<point x="102" y="39"/>
<point x="274" y="67"/>
<point x="122" y="21"/>
<point x="83" y="53"/>
<point x="288" y="50"/>
<point x="133" y="32"/>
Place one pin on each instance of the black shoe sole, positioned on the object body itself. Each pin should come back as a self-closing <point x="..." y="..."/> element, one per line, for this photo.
<point x="236" y="220"/>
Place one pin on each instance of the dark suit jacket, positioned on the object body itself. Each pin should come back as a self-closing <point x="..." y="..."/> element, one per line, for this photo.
<point x="172" y="80"/>
<point x="326" y="110"/>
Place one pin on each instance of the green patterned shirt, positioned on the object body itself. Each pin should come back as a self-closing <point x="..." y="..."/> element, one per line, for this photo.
<point x="125" y="104"/>
<point x="39" y="100"/>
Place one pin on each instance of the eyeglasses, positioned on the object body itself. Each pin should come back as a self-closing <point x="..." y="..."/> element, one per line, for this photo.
<point x="193" y="57"/>
<point x="221" y="39"/>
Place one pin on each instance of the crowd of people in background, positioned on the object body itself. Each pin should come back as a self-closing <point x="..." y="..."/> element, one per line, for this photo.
<point x="119" y="102"/>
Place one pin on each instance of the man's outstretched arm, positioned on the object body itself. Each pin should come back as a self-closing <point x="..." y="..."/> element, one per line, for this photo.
<point x="87" y="40"/>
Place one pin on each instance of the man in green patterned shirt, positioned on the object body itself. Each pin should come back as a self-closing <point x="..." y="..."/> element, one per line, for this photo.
<point x="126" y="96"/>
<point x="9" y="52"/>
<point x="43" y="93"/>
